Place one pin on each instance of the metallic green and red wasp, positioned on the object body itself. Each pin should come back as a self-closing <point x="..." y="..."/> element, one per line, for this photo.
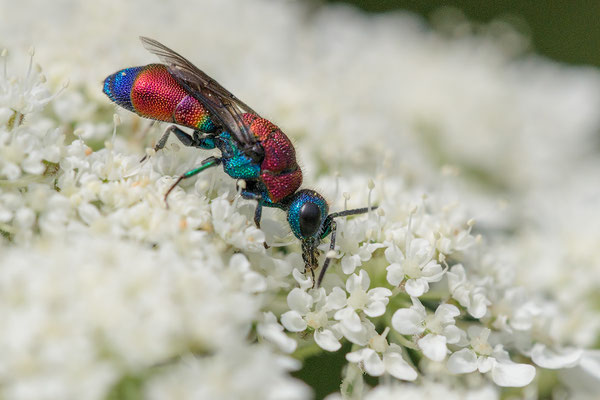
<point x="252" y="148"/>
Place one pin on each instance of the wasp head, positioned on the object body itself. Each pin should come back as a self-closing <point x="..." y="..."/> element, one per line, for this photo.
<point x="308" y="219"/>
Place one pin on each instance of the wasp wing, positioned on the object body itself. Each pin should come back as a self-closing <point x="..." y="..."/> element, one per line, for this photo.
<point x="224" y="106"/>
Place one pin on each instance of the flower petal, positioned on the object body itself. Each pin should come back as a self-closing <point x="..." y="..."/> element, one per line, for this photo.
<point x="445" y="313"/>
<point x="358" y="355"/>
<point x="407" y="321"/>
<point x="349" y="319"/>
<point x="462" y="362"/>
<point x="360" y="337"/>
<point x="299" y="300"/>
<point x="433" y="346"/>
<point x="478" y="305"/>
<point x="305" y="281"/>
<point x="454" y="334"/>
<point x="365" y="281"/>
<point x="433" y="271"/>
<point x="373" y="364"/>
<point x="352" y="283"/>
<point x="548" y="358"/>
<point x="253" y="282"/>
<point x="395" y="274"/>
<point x="293" y="322"/>
<point x="485" y="364"/>
<point x="456" y="277"/>
<point x="420" y="249"/>
<point x="273" y="332"/>
<point x="379" y="293"/>
<point x="326" y="340"/>
<point x="336" y="299"/>
<point x="510" y="374"/>
<point x="375" y="308"/>
<point x="349" y="263"/>
<point x="393" y="254"/>
<point x="416" y="287"/>
<point x="397" y="367"/>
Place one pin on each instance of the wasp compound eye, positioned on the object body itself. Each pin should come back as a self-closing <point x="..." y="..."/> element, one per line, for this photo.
<point x="307" y="210"/>
<point x="310" y="219"/>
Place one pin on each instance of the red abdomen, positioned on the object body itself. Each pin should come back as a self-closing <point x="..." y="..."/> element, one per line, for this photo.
<point x="152" y="92"/>
<point x="279" y="170"/>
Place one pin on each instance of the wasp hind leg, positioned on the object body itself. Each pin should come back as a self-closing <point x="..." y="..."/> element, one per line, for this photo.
<point x="185" y="138"/>
<point x="208" y="163"/>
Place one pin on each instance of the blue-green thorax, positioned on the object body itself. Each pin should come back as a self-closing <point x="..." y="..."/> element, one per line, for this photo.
<point x="236" y="163"/>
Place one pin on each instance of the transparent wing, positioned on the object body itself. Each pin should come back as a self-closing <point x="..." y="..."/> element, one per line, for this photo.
<point x="223" y="106"/>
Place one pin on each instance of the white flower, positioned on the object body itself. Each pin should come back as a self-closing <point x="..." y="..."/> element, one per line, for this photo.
<point x="470" y="296"/>
<point x="481" y="356"/>
<point x="24" y="95"/>
<point x="417" y="269"/>
<point x="439" y="327"/>
<point x="252" y="282"/>
<point x="93" y="308"/>
<point x="550" y="358"/>
<point x="351" y="234"/>
<point x="584" y="379"/>
<point x="452" y="237"/>
<point x="381" y="357"/>
<point x="273" y="332"/>
<point x="240" y="372"/>
<point x="370" y="303"/>
<point x="431" y="390"/>
<point x="314" y="309"/>
<point x="514" y="311"/>
<point x="234" y="228"/>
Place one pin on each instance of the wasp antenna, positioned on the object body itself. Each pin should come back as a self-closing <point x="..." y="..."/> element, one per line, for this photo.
<point x="352" y="212"/>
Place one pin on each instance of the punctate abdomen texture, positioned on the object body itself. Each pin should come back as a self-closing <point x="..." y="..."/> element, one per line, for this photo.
<point x="152" y="92"/>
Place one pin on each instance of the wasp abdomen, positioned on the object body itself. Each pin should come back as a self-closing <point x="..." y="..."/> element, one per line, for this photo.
<point x="152" y="92"/>
<point x="118" y="86"/>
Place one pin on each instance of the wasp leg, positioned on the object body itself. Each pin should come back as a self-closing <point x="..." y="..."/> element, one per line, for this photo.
<point x="327" y="259"/>
<point x="332" y="226"/>
<point x="257" y="211"/>
<point x="257" y="217"/>
<point x="185" y="138"/>
<point x="209" y="162"/>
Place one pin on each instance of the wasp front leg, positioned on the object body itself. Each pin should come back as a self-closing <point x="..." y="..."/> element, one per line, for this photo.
<point x="332" y="226"/>
<point x="258" y="210"/>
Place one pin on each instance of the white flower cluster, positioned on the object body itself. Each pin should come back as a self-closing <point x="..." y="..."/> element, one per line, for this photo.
<point x="86" y="313"/>
<point x="465" y="302"/>
<point x="104" y="290"/>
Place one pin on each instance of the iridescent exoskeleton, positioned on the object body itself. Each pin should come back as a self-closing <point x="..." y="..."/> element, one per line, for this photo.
<point x="252" y="148"/>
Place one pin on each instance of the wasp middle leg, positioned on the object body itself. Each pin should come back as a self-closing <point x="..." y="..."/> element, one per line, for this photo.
<point x="208" y="163"/>
<point x="198" y="139"/>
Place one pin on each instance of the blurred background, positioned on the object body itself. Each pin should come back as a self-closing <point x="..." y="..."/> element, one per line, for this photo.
<point x="565" y="31"/>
